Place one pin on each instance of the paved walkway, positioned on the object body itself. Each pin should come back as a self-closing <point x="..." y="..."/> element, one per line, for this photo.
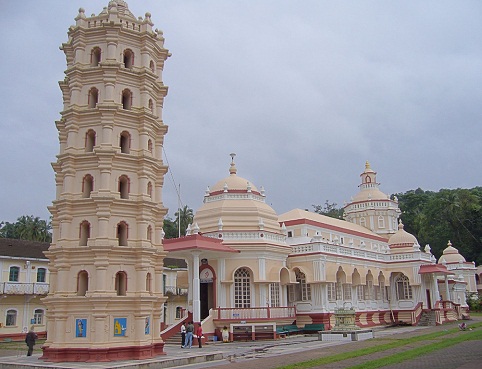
<point x="291" y="350"/>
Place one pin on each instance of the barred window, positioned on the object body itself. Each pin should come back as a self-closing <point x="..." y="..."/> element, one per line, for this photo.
<point x="38" y="316"/>
<point x="304" y="289"/>
<point x="404" y="290"/>
<point x="11" y="318"/>
<point x="347" y="291"/>
<point x="369" y="293"/>
<point x="274" y="294"/>
<point x="331" y="291"/>
<point x="360" y="291"/>
<point x="242" y="288"/>
<point x="14" y="273"/>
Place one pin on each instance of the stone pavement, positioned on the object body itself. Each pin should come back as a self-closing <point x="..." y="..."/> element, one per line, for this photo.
<point x="291" y="350"/>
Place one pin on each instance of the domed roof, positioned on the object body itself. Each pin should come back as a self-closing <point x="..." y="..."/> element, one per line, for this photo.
<point x="234" y="204"/>
<point x="402" y="238"/>
<point x="451" y="255"/>
<point x="233" y="182"/>
<point x="369" y="187"/>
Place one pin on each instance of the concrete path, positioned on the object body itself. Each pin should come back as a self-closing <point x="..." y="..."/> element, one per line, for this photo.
<point x="291" y="350"/>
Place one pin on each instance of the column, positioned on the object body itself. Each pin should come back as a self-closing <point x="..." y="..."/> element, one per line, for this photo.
<point x="196" y="300"/>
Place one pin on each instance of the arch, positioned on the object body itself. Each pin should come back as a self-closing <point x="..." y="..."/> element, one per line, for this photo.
<point x="150" y="105"/>
<point x="11" y="317"/>
<point x="302" y="290"/>
<point x="340" y="283"/>
<point x="381" y="222"/>
<point x="122" y="233"/>
<point x="381" y="290"/>
<point x="90" y="136"/>
<point x="128" y="58"/>
<point x="93" y="97"/>
<point x="95" y="56"/>
<point x="149" y="145"/>
<point x="149" y="283"/>
<point x="149" y="189"/>
<point x="402" y="287"/>
<point x="126" y="99"/>
<point x="368" y="179"/>
<point x="152" y="66"/>
<point x="125" y="142"/>
<point x="369" y="290"/>
<point x="87" y="185"/>
<point x="84" y="233"/>
<point x="149" y="232"/>
<point x="121" y="283"/>
<point x="242" y="288"/>
<point x="124" y="186"/>
<point x="355" y="278"/>
<point x="38" y="316"/>
<point x="82" y="283"/>
<point x="287" y="276"/>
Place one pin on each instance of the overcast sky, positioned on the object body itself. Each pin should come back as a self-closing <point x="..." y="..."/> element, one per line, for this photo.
<point x="304" y="92"/>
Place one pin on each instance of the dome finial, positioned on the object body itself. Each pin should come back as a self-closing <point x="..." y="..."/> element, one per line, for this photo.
<point x="233" y="169"/>
<point x="367" y="165"/>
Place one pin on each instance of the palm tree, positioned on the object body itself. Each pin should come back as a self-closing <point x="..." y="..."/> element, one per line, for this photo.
<point x="184" y="217"/>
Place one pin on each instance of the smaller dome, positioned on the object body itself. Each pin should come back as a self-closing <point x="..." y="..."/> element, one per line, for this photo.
<point x="233" y="182"/>
<point x="402" y="238"/>
<point x="451" y="255"/>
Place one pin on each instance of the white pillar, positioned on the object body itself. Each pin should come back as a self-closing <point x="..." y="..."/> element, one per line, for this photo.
<point x="196" y="300"/>
<point x="447" y="291"/>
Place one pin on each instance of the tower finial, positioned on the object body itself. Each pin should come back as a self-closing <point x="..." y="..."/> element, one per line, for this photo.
<point x="233" y="169"/>
<point x="367" y="165"/>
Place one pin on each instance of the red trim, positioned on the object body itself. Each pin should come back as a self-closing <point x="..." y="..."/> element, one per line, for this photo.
<point x="196" y="241"/>
<point x="73" y="354"/>
<point x="290" y="223"/>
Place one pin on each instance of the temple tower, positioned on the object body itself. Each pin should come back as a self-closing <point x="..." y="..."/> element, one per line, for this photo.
<point x="371" y="208"/>
<point x="106" y="257"/>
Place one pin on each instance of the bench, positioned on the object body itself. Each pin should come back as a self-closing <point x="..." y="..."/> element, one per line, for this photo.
<point x="313" y="328"/>
<point x="288" y="329"/>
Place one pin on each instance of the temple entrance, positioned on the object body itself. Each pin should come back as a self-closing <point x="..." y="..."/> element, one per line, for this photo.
<point x="206" y="291"/>
<point x="429" y="299"/>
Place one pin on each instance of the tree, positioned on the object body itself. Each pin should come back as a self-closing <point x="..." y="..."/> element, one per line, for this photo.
<point x="28" y="228"/>
<point x="170" y="229"/>
<point x="184" y="216"/>
<point x="329" y="209"/>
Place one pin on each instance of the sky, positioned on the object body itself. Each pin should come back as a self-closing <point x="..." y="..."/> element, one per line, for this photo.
<point x="304" y="92"/>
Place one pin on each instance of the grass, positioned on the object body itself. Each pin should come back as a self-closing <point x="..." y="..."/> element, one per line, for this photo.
<point x="396" y="358"/>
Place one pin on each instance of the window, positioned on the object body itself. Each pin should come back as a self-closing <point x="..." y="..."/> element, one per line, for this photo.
<point x="38" y="316"/>
<point x="404" y="290"/>
<point x="242" y="288"/>
<point x="121" y="283"/>
<point x="14" y="273"/>
<point x="125" y="142"/>
<point x="11" y="318"/>
<point x="84" y="233"/>
<point x="331" y="291"/>
<point x="274" y="294"/>
<point x="151" y="66"/>
<point x="124" y="185"/>
<point x="381" y="222"/>
<point x="122" y="233"/>
<point x="149" y="145"/>
<point x="41" y="274"/>
<point x="126" y="99"/>
<point x="82" y="283"/>
<point x="302" y="289"/>
<point x="93" y="97"/>
<point x="149" y="189"/>
<point x="178" y="312"/>
<point x="360" y="291"/>
<point x="128" y="58"/>
<point x="149" y="283"/>
<point x="87" y="186"/>
<point x="150" y="105"/>
<point x="149" y="233"/>
<point x="363" y="222"/>
<point x="347" y="291"/>
<point x="290" y="234"/>
<point x="95" y="57"/>
<point x="89" y="140"/>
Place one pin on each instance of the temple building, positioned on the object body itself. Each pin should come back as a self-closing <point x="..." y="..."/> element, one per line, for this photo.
<point x="252" y="268"/>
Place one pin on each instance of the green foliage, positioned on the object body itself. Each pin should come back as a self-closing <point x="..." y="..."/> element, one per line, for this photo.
<point x="474" y="301"/>
<point x="329" y="209"/>
<point x="448" y="215"/>
<point x="171" y="227"/>
<point x="28" y="228"/>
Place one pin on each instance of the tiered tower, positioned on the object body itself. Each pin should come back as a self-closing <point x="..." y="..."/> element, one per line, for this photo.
<point x="106" y="256"/>
<point x="371" y="208"/>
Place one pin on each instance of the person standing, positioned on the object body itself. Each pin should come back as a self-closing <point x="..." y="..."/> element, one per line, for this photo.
<point x="225" y="334"/>
<point x="30" y="341"/>
<point x="199" y="334"/>
<point x="189" y="333"/>
<point x="183" y="335"/>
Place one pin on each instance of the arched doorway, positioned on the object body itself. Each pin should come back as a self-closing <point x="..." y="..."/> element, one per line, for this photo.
<point x="206" y="290"/>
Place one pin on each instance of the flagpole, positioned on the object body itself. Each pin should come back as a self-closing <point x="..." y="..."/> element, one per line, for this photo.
<point x="179" y="211"/>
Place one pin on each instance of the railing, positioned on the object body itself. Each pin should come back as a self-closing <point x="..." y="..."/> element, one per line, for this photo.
<point x="17" y="288"/>
<point x="173" y="290"/>
<point x="255" y="313"/>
